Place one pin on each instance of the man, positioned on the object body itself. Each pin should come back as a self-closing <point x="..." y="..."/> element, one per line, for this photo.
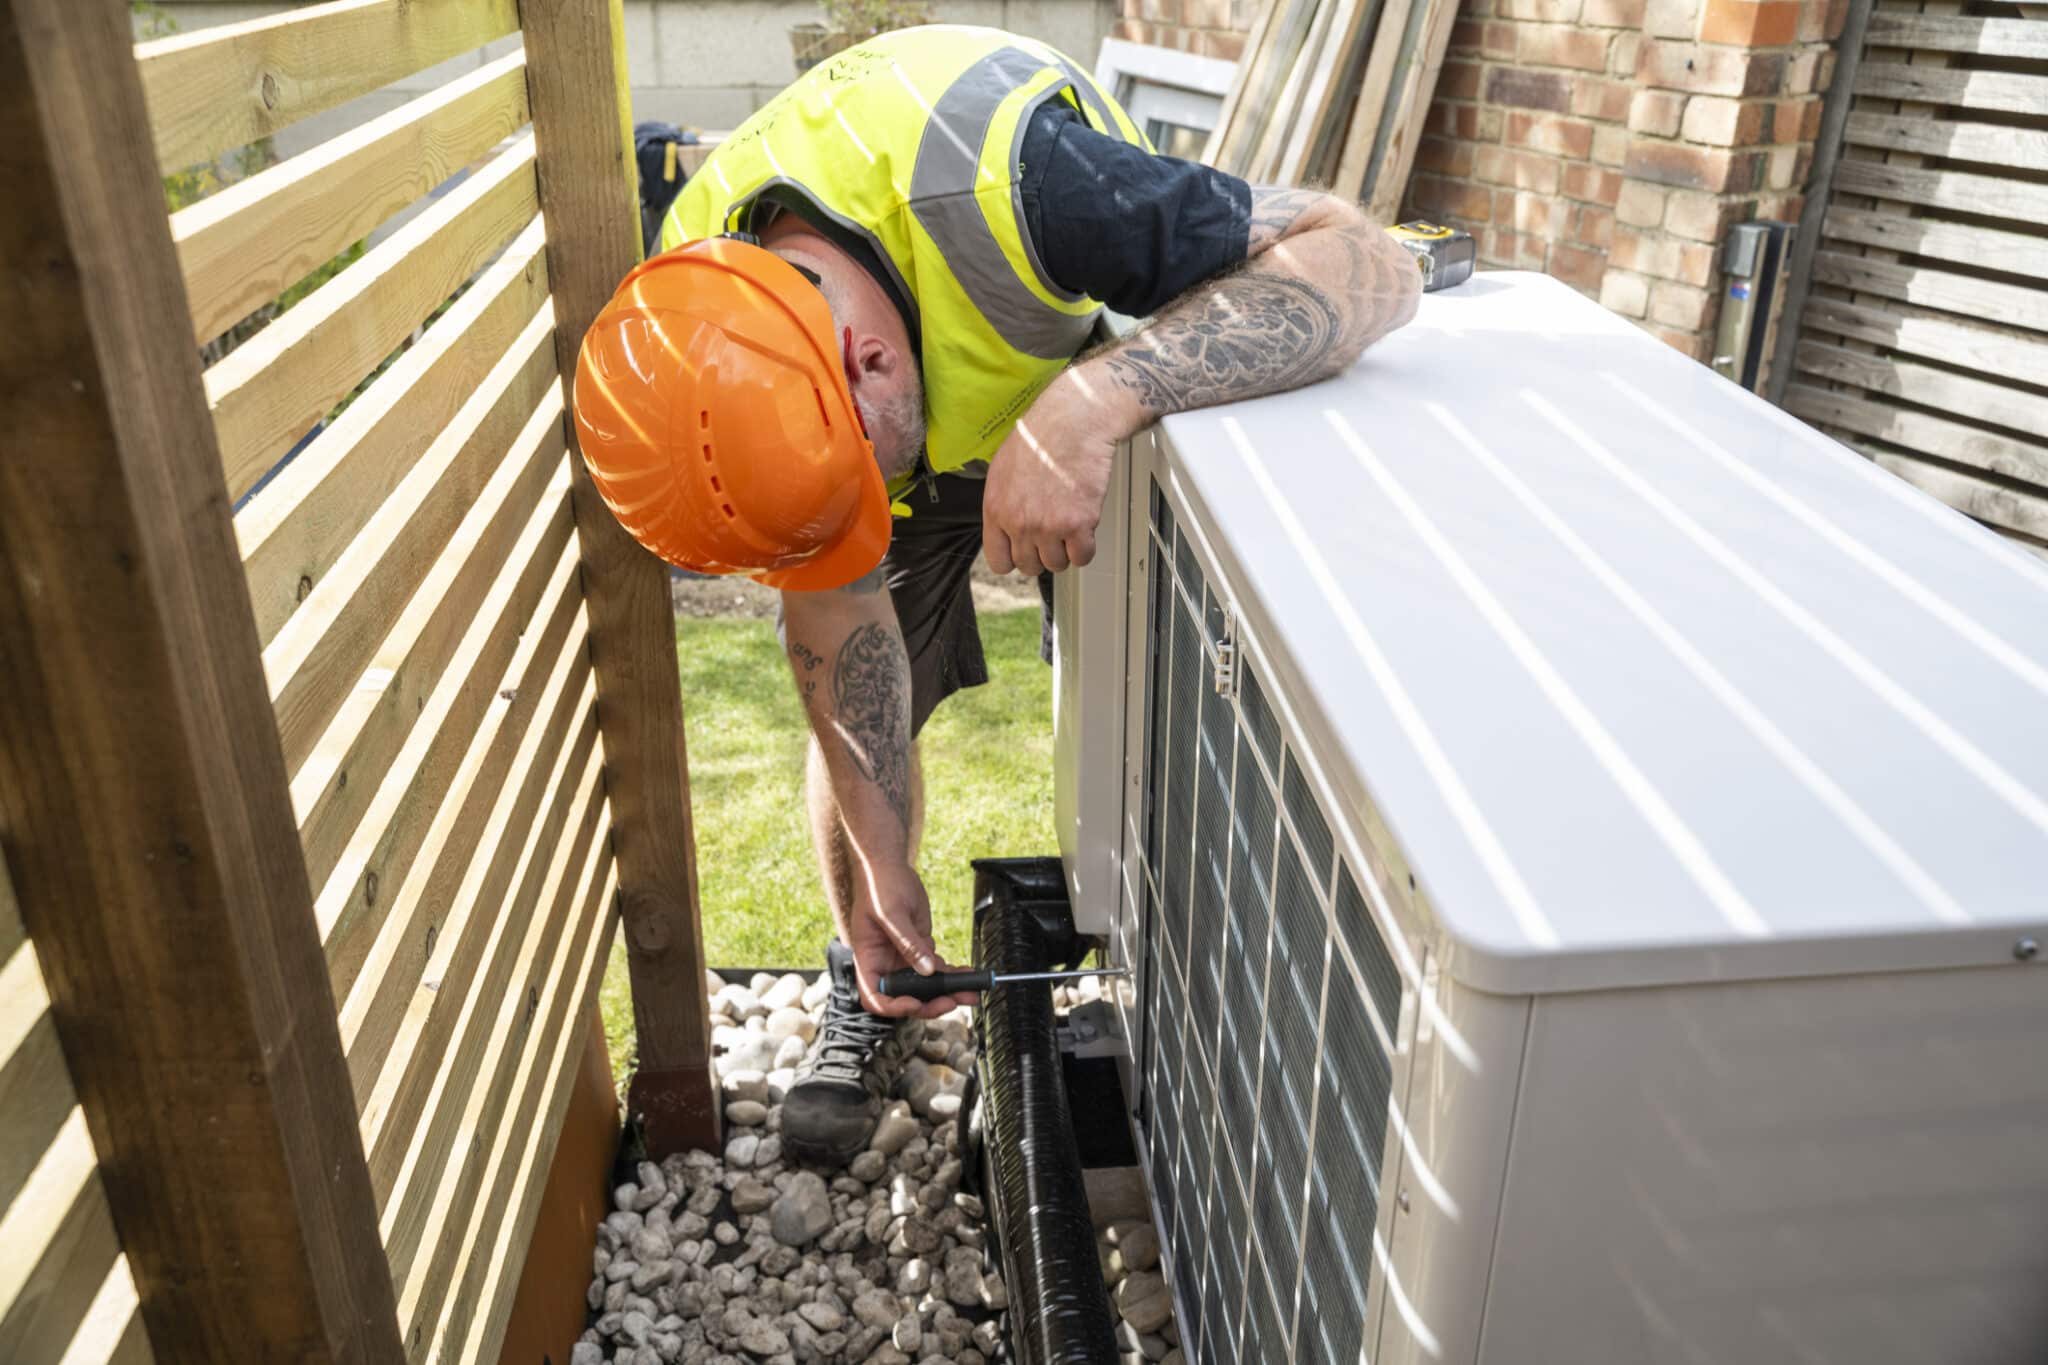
<point x="965" y="201"/>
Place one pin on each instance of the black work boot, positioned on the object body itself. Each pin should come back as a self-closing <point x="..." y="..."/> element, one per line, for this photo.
<point x="831" y="1111"/>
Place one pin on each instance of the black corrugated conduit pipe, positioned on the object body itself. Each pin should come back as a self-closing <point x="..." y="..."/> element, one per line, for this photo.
<point x="1030" y="1166"/>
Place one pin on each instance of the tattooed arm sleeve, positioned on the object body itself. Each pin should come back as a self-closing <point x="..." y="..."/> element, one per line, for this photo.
<point x="1321" y="284"/>
<point x="851" y="670"/>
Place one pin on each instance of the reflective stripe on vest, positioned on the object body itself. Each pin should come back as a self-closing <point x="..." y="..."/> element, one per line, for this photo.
<point x="942" y="195"/>
<point x="911" y="141"/>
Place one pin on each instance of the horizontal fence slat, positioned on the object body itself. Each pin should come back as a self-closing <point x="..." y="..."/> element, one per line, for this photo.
<point x="293" y="531"/>
<point x="2006" y="303"/>
<point x="2000" y="90"/>
<point x="1930" y="335"/>
<point x="447" y="525"/>
<point x="112" y="1332"/>
<point x="225" y="86"/>
<point x="475" y="575"/>
<point x="35" y="1087"/>
<point x="43" y="1143"/>
<point x="472" y="959"/>
<point x="57" y="1244"/>
<point x="1970" y="399"/>
<point x="493" y="1252"/>
<point x="487" y="823"/>
<point x="1990" y="143"/>
<point x="523" y="623"/>
<point x="1921" y="432"/>
<point x="441" y="1164"/>
<point x="242" y="247"/>
<point x="1992" y="503"/>
<point x="13" y="933"/>
<point x="1958" y="191"/>
<point x="278" y="385"/>
<point x="2012" y="252"/>
<point x="2025" y="38"/>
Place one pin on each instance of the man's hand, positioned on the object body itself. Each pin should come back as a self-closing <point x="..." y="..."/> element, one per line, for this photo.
<point x="1046" y="483"/>
<point x="1319" y="285"/>
<point x="889" y="926"/>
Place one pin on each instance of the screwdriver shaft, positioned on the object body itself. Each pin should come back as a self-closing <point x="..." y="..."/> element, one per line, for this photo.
<point x="915" y="987"/>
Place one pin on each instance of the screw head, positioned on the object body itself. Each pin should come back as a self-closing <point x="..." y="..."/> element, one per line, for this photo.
<point x="2025" y="949"/>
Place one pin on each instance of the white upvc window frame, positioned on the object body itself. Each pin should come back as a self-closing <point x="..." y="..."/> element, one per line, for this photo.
<point x="1159" y="85"/>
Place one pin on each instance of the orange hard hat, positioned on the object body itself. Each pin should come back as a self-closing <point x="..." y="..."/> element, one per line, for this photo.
<point x="714" y="415"/>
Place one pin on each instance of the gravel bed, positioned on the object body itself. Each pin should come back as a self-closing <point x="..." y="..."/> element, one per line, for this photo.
<point x="754" y="1258"/>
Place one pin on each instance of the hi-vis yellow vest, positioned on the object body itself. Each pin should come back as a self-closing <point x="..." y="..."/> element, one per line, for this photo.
<point x="911" y="140"/>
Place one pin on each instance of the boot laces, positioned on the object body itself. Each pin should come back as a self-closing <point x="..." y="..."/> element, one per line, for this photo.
<point x="849" y="1039"/>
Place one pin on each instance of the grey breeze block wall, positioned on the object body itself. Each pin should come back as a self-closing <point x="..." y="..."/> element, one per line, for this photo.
<point x="701" y="63"/>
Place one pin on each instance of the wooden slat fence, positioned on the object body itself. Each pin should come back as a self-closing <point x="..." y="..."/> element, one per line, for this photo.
<point x="1923" y="340"/>
<point x="444" y="665"/>
<point x="66" y="1292"/>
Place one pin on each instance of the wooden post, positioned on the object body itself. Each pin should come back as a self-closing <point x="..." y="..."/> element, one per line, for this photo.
<point x="576" y="54"/>
<point x="143" y="802"/>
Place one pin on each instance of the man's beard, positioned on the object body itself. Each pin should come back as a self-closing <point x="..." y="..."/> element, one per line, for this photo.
<point x="899" y="420"/>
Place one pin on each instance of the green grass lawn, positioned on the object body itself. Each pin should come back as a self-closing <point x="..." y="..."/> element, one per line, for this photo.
<point x="988" y="792"/>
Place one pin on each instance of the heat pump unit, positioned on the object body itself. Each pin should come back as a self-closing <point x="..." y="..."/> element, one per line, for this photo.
<point x="1582" y="841"/>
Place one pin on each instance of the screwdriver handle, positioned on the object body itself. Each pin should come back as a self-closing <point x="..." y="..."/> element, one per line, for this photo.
<point x="909" y="984"/>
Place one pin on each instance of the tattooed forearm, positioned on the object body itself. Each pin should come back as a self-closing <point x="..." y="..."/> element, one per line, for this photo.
<point x="1274" y="214"/>
<point x="1322" y="284"/>
<point x="1256" y="334"/>
<point x="871" y="704"/>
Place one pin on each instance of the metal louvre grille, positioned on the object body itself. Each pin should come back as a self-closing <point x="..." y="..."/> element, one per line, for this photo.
<point x="1369" y="951"/>
<point x="1182" y="702"/>
<point x="1266" y="1103"/>
<point x="1264" y="1339"/>
<point x="1155" y="690"/>
<point x="1350" y="1131"/>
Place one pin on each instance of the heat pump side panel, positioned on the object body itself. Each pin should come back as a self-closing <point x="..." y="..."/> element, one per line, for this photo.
<point x="1089" y="606"/>
<point x="1454" y="1128"/>
<point x="1828" y="1169"/>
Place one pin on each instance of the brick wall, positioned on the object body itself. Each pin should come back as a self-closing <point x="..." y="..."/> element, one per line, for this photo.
<point x="1612" y="142"/>
<point x="1209" y="28"/>
<point x="1608" y="142"/>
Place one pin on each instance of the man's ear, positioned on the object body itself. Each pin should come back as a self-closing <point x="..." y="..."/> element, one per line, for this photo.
<point x="870" y="359"/>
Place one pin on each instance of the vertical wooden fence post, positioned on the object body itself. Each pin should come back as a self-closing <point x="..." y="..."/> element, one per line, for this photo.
<point x="143" y="801"/>
<point x="576" y="83"/>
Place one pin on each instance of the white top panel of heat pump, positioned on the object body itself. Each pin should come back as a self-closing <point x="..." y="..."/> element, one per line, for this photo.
<point x="1648" y="680"/>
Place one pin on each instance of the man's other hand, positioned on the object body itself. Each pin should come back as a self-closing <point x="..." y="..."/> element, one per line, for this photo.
<point x="891" y="929"/>
<point x="1046" y="483"/>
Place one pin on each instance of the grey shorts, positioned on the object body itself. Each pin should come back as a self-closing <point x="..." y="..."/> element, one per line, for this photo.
<point x="931" y="556"/>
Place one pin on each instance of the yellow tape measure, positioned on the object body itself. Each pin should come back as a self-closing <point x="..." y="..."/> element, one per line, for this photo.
<point x="1446" y="254"/>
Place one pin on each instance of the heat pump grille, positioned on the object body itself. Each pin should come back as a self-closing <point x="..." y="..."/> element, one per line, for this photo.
<point x="1244" y="985"/>
<point x="1352" y="1090"/>
<point x="1266" y="1082"/>
<point x="1156" y="694"/>
<point x="1211" y="1341"/>
<point x="1228" y="1278"/>
<point x="1369" y="951"/>
<point x="1264" y="1337"/>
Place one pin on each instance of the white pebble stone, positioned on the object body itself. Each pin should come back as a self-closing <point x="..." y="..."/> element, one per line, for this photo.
<point x="789" y="1055"/>
<point x="895" y="1131"/>
<point x="907" y="1335"/>
<point x="791" y="1023"/>
<point x="746" y="1085"/>
<point x="785" y="991"/>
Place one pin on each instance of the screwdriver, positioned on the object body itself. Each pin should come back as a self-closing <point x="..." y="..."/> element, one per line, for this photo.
<point x="912" y="986"/>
